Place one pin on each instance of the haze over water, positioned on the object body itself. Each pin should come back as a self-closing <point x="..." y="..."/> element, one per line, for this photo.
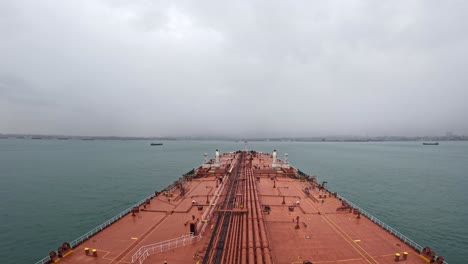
<point x="56" y="190"/>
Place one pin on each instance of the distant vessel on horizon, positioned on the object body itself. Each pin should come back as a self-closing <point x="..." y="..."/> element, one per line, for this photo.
<point x="431" y="143"/>
<point x="156" y="144"/>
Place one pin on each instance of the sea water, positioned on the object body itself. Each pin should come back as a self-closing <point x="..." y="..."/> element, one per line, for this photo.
<point x="52" y="191"/>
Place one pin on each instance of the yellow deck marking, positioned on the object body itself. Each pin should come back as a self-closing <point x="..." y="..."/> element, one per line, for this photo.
<point x="134" y="238"/>
<point x="424" y="258"/>
<point x="332" y="261"/>
<point x="342" y="233"/>
<point x="357" y="240"/>
<point x="68" y="253"/>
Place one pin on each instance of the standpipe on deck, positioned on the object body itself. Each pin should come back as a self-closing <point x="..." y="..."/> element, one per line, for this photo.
<point x="239" y="233"/>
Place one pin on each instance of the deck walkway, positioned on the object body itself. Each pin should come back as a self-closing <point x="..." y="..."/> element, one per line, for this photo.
<point x="253" y="213"/>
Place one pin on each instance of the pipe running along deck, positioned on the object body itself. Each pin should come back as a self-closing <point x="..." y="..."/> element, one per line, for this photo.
<point x="244" y="207"/>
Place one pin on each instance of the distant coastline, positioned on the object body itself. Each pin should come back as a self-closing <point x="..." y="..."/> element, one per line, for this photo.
<point x="273" y="139"/>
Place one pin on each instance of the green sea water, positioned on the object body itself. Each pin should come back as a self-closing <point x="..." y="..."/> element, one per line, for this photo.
<point x="52" y="191"/>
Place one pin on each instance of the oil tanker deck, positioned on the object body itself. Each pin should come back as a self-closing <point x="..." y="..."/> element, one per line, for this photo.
<point x="243" y="207"/>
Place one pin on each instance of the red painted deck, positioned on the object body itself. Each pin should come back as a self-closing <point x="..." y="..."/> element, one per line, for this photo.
<point x="298" y="226"/>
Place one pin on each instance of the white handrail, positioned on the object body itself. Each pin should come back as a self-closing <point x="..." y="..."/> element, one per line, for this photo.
<point x="144" y="252"/>
<point x="100" y="227"/>
<point x="385" y="226"/>
<point x="147" y="250"/>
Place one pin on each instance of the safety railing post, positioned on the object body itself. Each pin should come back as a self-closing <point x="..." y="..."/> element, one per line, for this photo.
<point x="386" y="227"/>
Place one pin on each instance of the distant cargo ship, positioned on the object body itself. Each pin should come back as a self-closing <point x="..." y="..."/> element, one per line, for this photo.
<point x="156" y="144"/>
<point x="431" y="143"/>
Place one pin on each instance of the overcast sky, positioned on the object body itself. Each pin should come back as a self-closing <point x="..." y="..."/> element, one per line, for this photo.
<point x="233" y="68"/>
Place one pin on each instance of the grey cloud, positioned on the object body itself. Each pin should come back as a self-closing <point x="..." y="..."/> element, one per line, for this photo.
<point x="17" y="91"/>
<point x="247" y="68"/>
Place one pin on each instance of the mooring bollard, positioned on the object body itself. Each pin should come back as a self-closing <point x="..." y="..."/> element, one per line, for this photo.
<point x="405" y="255"/>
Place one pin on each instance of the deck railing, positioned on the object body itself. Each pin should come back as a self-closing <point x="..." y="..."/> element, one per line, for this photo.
<point x="162" y="246"/>
<point x="188" y="239"/>
<point x="44" y="260"/>
<point x="98" y="228"/>
<point x="386" y="227"/>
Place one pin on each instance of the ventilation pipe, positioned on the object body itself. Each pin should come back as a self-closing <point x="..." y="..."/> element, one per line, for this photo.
<point x="217" y="161"/>
<point x="274" y="158"/>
